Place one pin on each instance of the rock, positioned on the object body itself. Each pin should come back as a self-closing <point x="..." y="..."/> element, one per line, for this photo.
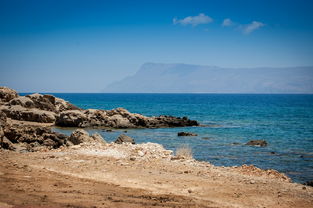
<point x="34" y="137"/>
<point x="186" y="134"/>
<point x="71" y="118"/>
<point x="98" y="138"/>
<point x="141" y="153"/>
<point x="7" y="94"/>
<point x="308" y="183"/>
<point x="80" y="136"/>
<point x="6" y="144"/>
<point x="259" y="143"/>
<point x="18" y="112"/>
<point x="23" y="101"/>
<point x="50" y="103"/>
<point x="124" y="139"/>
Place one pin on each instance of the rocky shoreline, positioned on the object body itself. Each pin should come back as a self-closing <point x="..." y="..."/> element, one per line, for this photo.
<point x="37" y="165"/>
<point x="50" y="109"/>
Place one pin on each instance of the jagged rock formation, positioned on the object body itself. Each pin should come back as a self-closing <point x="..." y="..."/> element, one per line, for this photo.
<point x="50" y="109"/>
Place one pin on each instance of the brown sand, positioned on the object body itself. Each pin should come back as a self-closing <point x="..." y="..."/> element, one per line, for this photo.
<point x="77" y="178"/>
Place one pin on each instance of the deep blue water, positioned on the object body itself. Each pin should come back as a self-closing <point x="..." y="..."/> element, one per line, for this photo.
<point x="284" y="121"/>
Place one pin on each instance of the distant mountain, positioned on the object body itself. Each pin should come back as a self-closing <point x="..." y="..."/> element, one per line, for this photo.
<point x="185" y="78"/>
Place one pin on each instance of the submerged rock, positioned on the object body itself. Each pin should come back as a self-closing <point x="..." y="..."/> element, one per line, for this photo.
<point x="124" y="139"/>
<point x="186" y="134"/>
<point x="259" y="143"/>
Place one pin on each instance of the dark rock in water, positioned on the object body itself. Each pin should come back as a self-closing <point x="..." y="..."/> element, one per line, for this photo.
<point x="308" y="183"/>
<point x="273" y="153"/>
<point x="235" y="143"/>
<point x="186" y="134"/>
<point x="7" y="94"/>
<point x="206" y="138"/>
<point x="124" y="139"/>
<point x="260" y="143"/>
<point x="109" y="130"/>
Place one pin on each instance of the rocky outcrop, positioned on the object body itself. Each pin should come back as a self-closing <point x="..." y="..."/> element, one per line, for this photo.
<point x="7" y="94"/>
<point x="18" y="112"/>
<point x="31" y="138"/>
<point x="258" y="143"/>
<point x="50" y="109"/>
<point x="186" y="134"/>
<point x="118" y="118"/>
<point x="124" y="139"/>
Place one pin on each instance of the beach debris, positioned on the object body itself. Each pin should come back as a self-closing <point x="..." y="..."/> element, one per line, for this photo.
<point x="124" y="139"/>
<point x="186" y="134"/>
<point x="258" y="143"/>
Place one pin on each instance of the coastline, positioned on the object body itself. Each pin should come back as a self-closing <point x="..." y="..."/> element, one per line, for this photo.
<point x="43" y="168"/>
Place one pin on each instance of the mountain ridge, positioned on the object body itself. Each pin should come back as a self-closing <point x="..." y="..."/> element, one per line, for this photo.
<point x="189" y="78"/>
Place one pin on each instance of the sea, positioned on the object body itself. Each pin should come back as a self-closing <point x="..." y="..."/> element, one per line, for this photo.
<point x="229" y="122"/>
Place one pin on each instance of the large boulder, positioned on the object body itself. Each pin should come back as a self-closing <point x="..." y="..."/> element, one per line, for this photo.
<point x="258" y="143"/>
<point x="124" y="139"/>
<point x="81" y="136"/>
<point x="7" y="94"/>
<point x="18" y="112"/>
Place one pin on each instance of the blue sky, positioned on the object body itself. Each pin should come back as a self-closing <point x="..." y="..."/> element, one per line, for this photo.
<point x="81" y="46"/>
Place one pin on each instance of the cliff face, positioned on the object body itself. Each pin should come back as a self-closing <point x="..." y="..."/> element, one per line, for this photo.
<point x="184" y="78"/>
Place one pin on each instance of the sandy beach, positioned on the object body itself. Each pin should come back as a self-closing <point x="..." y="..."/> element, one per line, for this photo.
<point x="111" y="175"/>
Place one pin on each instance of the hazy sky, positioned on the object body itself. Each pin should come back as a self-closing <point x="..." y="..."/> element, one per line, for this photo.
<point x="81" y="46"/>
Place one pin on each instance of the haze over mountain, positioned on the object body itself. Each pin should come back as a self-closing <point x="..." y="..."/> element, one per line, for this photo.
<point x="185" y="78"/>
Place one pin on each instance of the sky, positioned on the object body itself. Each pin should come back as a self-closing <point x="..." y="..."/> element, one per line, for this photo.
<point x="82" y="46"/>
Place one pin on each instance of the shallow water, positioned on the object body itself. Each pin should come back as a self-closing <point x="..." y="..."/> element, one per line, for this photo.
<point x="284" y="121"/>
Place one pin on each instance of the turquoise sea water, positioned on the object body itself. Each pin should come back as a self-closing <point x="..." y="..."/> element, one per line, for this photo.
<point x="284" y="121"/>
